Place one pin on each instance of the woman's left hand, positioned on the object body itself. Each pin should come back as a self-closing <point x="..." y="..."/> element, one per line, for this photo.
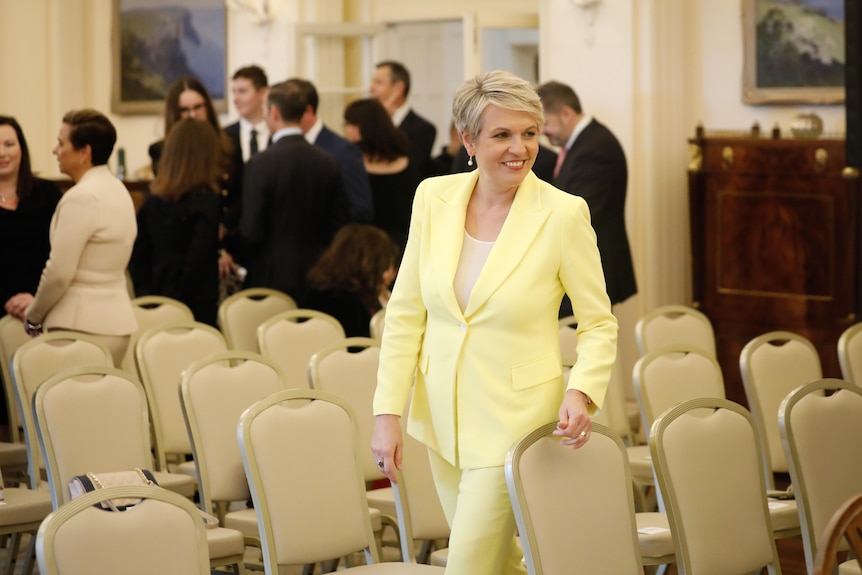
<point x="226" y="265"/>
<point x="575" y="423"/>
<point x="17" y="305"/>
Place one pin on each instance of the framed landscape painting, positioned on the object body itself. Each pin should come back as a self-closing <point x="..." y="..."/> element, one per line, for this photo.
<point x="155" y="42"/>
<point x="793" y="51"/>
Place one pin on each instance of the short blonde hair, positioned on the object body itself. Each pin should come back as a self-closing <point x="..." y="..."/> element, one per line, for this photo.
<point x="499" y="88"/>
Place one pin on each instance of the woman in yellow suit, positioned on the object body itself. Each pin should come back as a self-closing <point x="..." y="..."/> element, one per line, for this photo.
<point x="474" y="316"/>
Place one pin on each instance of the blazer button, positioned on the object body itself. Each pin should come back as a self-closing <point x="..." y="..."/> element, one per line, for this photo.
<point x="463" y="326"/>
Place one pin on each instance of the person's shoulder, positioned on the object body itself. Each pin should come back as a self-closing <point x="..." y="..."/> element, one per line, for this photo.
<point x="232" y="129"/>
<point x="559" y="200"/>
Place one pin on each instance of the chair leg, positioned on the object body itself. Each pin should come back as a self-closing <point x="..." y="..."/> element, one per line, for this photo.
<point x="12" y="557"/>
<point x="31" y="556"/>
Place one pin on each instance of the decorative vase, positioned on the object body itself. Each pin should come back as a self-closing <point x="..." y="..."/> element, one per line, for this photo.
<point x="806" y="126"/>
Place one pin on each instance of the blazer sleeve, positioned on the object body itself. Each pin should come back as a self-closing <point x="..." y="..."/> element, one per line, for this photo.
<point x="404" y="326"/>
<point x="582" y="278"/>
<point x="76" y="221"/>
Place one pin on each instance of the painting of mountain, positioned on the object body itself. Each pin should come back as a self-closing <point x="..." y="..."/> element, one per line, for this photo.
<point x="158" y="41"/>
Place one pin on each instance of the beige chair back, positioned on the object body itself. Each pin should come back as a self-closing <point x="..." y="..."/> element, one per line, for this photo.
<point x="707" y="457"/>
<point x="12" y="336"/>
<point x="773" y="365"/>
<point x="162" y="354"/>
<point x="613" y="413"/>
<point x="674" y="324"/>
<point x="290" y="339"/>
<point x="352" y="376"/>
<point x="306" y="482"/>
<point x="375" y="326"/>
<point x="91" y="419"/>
<point x="161" y="534"/>
<point x="603" y="539"/>
<point x="240" y="314"/>
<point x="569" y="340"/>
<point x="669" y="376"/>
<point x="38" y="360"/>
<point x="850" y="354"/>
<point x="822" y="438"/>
<point x="151" y="311"/>
<point x="215" y="392"/>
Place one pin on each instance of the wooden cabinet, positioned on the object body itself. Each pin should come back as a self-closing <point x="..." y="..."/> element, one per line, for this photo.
<point x="775" y="238"/>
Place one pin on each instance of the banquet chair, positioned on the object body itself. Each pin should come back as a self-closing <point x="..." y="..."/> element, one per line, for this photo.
<point x="22" y="511"/>
<point x="850" y="354"/>
<point x="240" y="314"/>
<point x="773" y="365"/>
<point x="161" y="355"/>
<point x="151" y="311"/>
<point x="36" y="361"/>
<point x="821" y="431"/>
<point x="301" y="452"/>
<point x="674" y="324"/>
<point x="94" y="420"/>
<point x="845" y="523"/>
<point x="163" y="533"/>
<point x="214" y="393"/>
<point x="290" y="339"/>
<point x="13" y="454"/>
<point x="707" y="456"/>
<point x="376" y="324"/>
<point x="550" y="484"/>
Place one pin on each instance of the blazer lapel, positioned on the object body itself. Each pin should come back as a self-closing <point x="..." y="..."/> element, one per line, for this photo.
<point x="524" y="221"/>
<point x="448" y="214"/>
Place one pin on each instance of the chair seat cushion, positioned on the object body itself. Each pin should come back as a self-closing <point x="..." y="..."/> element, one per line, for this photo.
<point x="12" y="454"/>
<point x="641" y="462"/>
<point x="383" y="499"/>
<point x="224" y="542"/>
<point x="176" y="482"/>
<point x="850" y="568"/>
<point x="24" y="506"/>
<point x="785" y="517"/>
<point x="654" y="544"/>
<point x="244" y="521"/>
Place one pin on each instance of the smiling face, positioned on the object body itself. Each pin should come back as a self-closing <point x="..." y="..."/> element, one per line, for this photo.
<point x="10" y="152"/>
<point x="505" y="148"/>
<point x="248" y="100"/>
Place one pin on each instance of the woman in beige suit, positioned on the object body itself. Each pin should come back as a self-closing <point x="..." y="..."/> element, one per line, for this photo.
<point x="83" y="285"/>
<point x="474" y="315"/>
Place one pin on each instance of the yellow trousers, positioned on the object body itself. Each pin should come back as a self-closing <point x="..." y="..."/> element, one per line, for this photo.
<point x="477" y="506"/>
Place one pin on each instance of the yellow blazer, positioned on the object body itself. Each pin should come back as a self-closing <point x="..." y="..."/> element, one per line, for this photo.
<point x="492" y="373"/>
<point x="83" y="285"/>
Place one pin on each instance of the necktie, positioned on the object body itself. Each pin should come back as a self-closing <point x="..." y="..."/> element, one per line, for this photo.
<point x="252" y="142"/>
<point x="561" y="157"/>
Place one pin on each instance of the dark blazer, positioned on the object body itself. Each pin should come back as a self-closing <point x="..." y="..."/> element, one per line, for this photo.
<point x="420" y="139"/>
<point x="546" y="159"/>
<point x="293" y="203"/>
<point x="232" y="131"/>
<point x="176" y="251"/>
<point x="595" y="169"/>
<point x="347" y="307"/>
<point x="349" y="160"/>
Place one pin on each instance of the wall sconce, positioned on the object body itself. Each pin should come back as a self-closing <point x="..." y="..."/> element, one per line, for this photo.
<point x="590" y="7"/>
<point x="261" y="11"/>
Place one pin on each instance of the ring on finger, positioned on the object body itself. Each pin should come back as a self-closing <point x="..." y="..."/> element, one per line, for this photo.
<point x="583" y="434"/>
<point x="380" y="464"/>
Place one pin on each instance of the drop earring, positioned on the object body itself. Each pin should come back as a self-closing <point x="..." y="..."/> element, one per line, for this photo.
<point x="470" y="161"/>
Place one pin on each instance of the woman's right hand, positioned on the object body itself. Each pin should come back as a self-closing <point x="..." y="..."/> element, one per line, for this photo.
<point x="386" y="444"/>
<point x="17" y="305"/>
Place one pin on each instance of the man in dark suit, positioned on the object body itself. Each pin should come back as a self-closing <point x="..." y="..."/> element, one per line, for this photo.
<point x="250" y="133"/>
<point x="347" y="155"/>
<point x="293" y="200"/>
<point x="591" y="164"/>
<point x="390" y="84"/>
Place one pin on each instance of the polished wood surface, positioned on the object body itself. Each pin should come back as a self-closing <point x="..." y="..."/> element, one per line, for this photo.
<point x="775" y="243"/>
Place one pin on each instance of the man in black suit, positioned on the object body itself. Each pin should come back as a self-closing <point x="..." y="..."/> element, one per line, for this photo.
<point x="390" y="84"/>
<point x="591" y="164"/>
<point x="347" y="155"/>
<point x="250" y="133"/>
<point x="293" y="200"/>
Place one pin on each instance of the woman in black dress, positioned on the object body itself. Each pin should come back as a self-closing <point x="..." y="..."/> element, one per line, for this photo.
<point x="176" y="251"/>
<point x="392" y="177"/>
<point x="26" y="206"/>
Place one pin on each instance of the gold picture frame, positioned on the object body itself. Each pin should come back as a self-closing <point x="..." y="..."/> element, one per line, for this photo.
<point x="155" y="42"/>
<point x="793" y="52"/>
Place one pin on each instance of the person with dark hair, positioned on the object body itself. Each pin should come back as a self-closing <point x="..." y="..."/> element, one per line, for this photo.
<point x="392" y="175"/>
<point x="390" y="85"/>
<point x="83" y="285"/>
<point x="293" y="203"/>
<point x="176" y="252"/>
<point x="351" y="279"/>
<point x="592" y="165"/>
<point x="26" y="206"/>
<point x="189" y="98"/>
<point x="347" y="155"/>
<point x="250" y="133"/>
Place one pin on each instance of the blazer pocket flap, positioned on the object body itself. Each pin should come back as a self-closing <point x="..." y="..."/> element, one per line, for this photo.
<point x="541" y="370"/>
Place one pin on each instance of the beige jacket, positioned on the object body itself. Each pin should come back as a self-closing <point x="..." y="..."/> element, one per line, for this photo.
<point x="493" y="373"/>
<point x="83" y="285"/>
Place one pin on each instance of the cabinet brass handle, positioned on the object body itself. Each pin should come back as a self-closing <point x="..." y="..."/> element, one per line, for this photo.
<point x="727" y="158"/>
<point x="821" y="156"/>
